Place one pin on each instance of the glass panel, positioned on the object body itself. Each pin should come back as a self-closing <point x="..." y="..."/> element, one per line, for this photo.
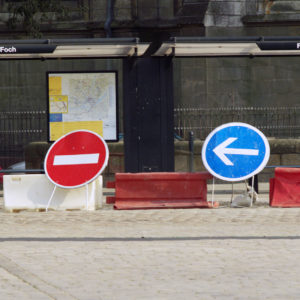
<point x="23" y="106"/>
<point x="261" y="91"/>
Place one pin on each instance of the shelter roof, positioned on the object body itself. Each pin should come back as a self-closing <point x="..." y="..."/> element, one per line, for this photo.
<point x="229" y="46"/>
<point x="72" y="48"/>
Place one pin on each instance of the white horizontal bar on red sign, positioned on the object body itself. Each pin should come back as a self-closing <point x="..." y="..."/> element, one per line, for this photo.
<point x="77" y="159"/>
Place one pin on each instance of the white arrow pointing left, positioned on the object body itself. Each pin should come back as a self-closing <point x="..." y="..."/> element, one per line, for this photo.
<point x="77" y="159"/>
<point x="222" y="149"/>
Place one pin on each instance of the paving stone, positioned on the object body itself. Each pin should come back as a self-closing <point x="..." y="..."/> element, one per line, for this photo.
<point x="225" y="253"/>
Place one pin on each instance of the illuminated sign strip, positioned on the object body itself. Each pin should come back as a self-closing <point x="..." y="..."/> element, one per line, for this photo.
<point x="56" y="51"/>
<point x="228" y="48"/>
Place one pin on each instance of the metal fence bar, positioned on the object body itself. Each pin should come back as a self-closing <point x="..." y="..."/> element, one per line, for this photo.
<point x="18" y="129"/>
<point x="279" y="122"/>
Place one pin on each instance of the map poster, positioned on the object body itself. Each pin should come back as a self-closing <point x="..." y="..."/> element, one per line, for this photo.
<point x="83" y="100"/>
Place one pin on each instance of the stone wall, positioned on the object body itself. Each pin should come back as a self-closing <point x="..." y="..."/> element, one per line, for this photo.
<point x="284" y="152"/>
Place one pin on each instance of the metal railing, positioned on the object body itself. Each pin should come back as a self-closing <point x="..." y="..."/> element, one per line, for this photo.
<point x="278" y="122"/>
<point x="18" y="129"/>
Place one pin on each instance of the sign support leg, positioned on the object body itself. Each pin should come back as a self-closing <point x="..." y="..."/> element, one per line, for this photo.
<point x="252" y="191"/>
<point x="213" y="192"/>
<point x="48" y="204"/>
<point x="87" y="196"/>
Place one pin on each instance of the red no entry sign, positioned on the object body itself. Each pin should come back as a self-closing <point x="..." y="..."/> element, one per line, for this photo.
<point x="76" y="159"/>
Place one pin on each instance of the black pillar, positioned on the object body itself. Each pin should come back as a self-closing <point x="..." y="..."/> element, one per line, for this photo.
<point x="148" y="114"/>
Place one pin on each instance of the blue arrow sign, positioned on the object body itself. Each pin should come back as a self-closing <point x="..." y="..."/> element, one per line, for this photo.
<point x="235" y="151"/>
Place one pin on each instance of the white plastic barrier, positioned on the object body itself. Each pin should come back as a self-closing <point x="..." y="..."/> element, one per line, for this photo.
<point x="33" y="191"/>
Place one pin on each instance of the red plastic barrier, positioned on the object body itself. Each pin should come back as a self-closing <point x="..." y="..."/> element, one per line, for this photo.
<point x="110" y="184"/>
<point x="285" y="188"/>
<point x="110" y="200"/>
<point x="161" y="190"/>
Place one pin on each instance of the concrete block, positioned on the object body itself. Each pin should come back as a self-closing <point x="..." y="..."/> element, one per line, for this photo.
<point x="198" y="164"/>
<point x="290" y="159"/>
<point x="181" y="163"/>
<point x="181" y="146"/>
<point x="275" y="160"/>
<point x="33" y="191"/>
<point x="282" y="146"/>
<point x="116" y="163"/>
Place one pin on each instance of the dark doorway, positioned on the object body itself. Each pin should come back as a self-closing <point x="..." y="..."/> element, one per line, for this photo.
<point x="148" y="115"/>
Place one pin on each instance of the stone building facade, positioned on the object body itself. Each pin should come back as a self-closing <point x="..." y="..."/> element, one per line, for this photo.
<point x="269" y="85"/>
<point x="149" y="18"/>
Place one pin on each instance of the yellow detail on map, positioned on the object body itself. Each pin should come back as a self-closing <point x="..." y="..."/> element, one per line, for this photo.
<point x="55" y="85"/>
<point x="58" y="129"/>
<point x="58" y="104"/>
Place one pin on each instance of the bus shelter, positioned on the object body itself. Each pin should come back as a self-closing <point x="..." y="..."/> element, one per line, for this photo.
<point x="147" y="115"/>
<point x="148" y="80"/>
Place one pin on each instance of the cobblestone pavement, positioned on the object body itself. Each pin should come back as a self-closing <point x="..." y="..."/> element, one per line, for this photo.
<point x="224" y="253"/>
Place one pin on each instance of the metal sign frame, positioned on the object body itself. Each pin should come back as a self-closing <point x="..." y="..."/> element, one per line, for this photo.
<point x="115" y="107"/>
<point x="242" y="151"/>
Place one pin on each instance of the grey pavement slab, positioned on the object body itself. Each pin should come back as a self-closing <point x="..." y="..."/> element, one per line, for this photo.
<point x="225" y="253"/>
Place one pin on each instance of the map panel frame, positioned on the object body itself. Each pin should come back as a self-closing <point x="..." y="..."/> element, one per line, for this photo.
<point x="82" y="100"/>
